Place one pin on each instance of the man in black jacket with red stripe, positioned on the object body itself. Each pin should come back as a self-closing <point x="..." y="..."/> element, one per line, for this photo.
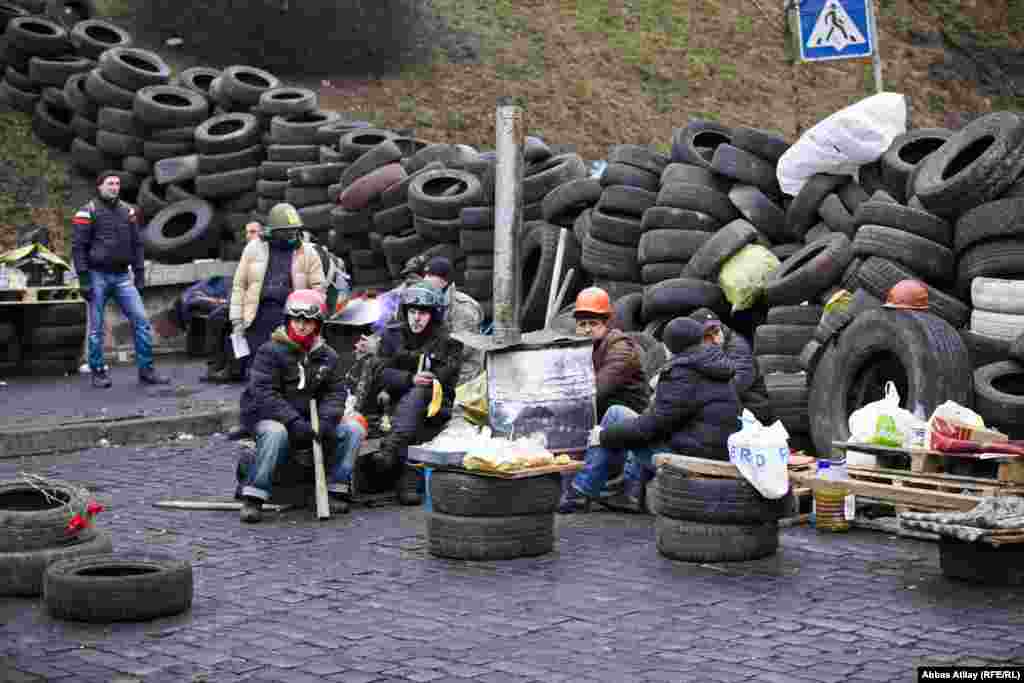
<point x="107" y="243"/>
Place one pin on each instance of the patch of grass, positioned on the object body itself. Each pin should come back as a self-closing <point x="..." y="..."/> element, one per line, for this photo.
<point x="657" y="21"/>
<point x="456" y="120"/>
<point x="1004" y="102"/>
<point x="1015" y="15"/>
<point x="113" y="8"/>
<point x="31" y="160"/>
<point x="727" y="72"/>
<point x="424" y="117"/>
<point x="707" y="115"/>
<point x="406" y="104"/>
<point x="936" y="103"/>
<point x="903" y="23"/>
<point x="744" y="23"/>
<point x="664" y="91"/>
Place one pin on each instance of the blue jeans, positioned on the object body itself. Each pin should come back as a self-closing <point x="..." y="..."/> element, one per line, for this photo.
<point x="638" y="460"/>
<point x="272" y="451"/>
<point x="120" y="286"/>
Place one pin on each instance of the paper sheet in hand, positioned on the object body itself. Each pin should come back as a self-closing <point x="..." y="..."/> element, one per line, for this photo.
<point x="239" y="345"/>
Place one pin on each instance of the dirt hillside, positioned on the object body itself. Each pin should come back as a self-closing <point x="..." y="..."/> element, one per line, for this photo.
<point x="592" y="73"/>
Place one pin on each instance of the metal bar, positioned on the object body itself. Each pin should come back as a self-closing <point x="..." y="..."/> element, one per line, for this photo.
<point x="556" y="276"/>
<point x="323" y="508"/>
<point x="561" y="296"/>
<point x="876" y="53"/>
<point x="508" y="218"/>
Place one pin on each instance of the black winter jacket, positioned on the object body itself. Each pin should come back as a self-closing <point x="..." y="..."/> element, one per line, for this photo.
<point x="399" y="354"/>
<point x="107" y="238"/>
<point x="737" y="348"/>
<point x="277" y="370"/>
<point x="695" y="408"/>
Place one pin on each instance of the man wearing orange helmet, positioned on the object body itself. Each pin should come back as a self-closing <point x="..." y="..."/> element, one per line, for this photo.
<point x="622" y="389"/>
<point x="287" y="371"/>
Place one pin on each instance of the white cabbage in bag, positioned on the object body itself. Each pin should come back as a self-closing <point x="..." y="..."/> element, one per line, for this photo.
<point x="761" y="454"/>
<point x="845" y="141"/>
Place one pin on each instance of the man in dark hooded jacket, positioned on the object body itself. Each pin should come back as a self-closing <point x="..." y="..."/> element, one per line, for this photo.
<point x="287" y="371"/>
<point x="736" y="348"/>
<point x="418" y="372"/>
<point x="694" y="411"/>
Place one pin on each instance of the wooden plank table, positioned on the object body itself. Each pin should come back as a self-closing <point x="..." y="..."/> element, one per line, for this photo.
<point x="1011" y="467"/>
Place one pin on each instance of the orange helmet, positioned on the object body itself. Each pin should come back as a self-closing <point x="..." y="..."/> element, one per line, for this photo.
<point x="595" y="301"/>
<point x="910" y="295"/>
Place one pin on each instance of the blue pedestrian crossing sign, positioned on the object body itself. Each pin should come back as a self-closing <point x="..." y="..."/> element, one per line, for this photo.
<point x="834" y="29"/>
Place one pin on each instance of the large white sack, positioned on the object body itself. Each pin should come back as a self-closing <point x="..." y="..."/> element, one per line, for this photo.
<point x="846" y="140"/>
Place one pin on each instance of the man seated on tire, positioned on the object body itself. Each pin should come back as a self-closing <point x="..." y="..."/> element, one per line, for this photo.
<point x="695" y="409"/>
<point x="622" y="389"/>
<point x="736" y="348"/>
<point x="418" y="369"/>
<point x="106" y="244"/>
<point x="287" y="371"/>
<point x="462" y="313"/>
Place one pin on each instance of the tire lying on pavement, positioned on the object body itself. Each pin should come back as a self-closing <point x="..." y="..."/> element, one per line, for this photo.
<point x="453" y="493"/>
<point x="715" y="501"/>
<point x="106" y="588"/>
<point x="182" y="232"/>
<point x="32" y="518"/>
<point x="21" y="571"/>
<point x="920" y="352"/>
<point x="490" y="538"/>
<point x="688" y="541"/>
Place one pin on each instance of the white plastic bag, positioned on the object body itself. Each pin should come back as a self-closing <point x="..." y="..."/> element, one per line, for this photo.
<point x="864" y="421"/>
<point x="761" y="454"/>
<point x="951" y="410"/>
<point x="846" y="140"/>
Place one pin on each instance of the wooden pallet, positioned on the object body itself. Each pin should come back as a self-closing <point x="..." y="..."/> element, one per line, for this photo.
<point x="41" y="295"/>
<point x="1010" y="470"/>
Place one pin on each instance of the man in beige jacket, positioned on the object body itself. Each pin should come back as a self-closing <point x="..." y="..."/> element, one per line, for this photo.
<point x="270" y="269"/>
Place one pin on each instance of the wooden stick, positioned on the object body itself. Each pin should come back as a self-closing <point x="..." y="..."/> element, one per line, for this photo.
<point x="214" y="505"/>
<point x="323" y="509"/>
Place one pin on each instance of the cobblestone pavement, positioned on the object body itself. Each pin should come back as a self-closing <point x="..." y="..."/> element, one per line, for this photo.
<point x="41" y="401"/>
<point x="357" y="599"/>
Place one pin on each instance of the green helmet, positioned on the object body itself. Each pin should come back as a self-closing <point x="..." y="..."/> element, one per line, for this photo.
<point x="283" y="216"/>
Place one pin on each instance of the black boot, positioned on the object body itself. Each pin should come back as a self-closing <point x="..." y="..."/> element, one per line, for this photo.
<point x="630" y="500"/>
<point x="407" y="487"/>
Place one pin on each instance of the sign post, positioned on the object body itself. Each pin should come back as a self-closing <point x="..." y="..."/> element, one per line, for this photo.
<point x="839" y="29"/>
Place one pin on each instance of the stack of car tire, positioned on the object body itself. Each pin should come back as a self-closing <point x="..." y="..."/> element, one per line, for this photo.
<point x="714" y="520"/>
<point x="958" y="232"/>
<point x="34" y="520"/>
<point x="477" y="517"/>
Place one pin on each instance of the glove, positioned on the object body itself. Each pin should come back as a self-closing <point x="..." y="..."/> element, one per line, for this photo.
<point x="85" y="285"/>
<point x="140" y="279"/>
<point x="301" y="432"/>
<point x="595" y="436"/>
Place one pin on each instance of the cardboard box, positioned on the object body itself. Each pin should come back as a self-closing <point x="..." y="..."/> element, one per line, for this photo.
<point x="960" y="430"/>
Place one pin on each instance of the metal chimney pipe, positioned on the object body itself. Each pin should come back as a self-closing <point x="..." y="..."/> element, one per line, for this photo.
<point x="508" y="219"/>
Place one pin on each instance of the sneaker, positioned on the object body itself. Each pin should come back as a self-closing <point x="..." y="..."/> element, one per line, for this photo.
<point x="101" y="379"/>
<point x="151" y="376"/>
<point x="252" y="510"/>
